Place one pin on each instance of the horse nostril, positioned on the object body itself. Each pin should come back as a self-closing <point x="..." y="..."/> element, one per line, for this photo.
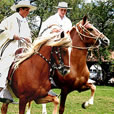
<point x="62" y="34"/>
<point x="106" y="41"/>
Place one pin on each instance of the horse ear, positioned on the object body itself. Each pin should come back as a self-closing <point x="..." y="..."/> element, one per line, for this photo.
<point x="84" y="19"/>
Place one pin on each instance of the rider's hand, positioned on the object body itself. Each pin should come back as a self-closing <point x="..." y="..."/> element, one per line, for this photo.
<point x="55" y="30"/>
<point x="15" y="37"/>
<point x="27" y="40"/>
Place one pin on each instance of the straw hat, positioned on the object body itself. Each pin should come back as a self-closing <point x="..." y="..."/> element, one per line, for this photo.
<point x="62" y="5"/>
<point x="23" y="4"/>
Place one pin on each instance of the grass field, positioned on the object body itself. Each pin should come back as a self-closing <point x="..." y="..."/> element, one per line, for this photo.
<point x="103" y="103"/>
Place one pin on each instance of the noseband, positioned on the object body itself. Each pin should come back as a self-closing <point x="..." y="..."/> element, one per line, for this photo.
<point x="85" y="30"/>
<point x="81" y="35"/>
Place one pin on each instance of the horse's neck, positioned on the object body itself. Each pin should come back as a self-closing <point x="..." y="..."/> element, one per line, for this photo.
<point x="46" y="51"/>
<point x="78" y="56"/>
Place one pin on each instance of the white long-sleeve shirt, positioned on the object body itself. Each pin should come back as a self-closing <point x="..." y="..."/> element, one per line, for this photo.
<point x="14" y="25"/>
<point x="64" y="23"/>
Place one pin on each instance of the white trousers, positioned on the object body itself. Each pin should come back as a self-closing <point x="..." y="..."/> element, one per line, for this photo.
<point x="6" y="61"/>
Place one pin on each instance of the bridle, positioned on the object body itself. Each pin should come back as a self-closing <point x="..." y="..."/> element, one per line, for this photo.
<point x="53" y="65"/>
<point x="92" y="36"/>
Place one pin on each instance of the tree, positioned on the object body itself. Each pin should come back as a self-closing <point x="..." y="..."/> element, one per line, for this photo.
<point x="5" y="8"/>
<point x="102" y="15"/>
<point x="45" y="8"/>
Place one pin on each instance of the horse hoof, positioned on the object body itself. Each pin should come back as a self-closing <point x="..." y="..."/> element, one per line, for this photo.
<point x="83" y="106"/>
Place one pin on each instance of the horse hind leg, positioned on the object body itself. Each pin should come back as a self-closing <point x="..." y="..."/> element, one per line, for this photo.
<point x="48" y="99"/>
<point x="44" y="111"/>
<point x="4" y="108"/>
<point x="91" y="100"/>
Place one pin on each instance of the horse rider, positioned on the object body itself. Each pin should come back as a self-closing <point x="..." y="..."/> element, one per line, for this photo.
<point x="59" y="19"/>
<point x="15" y="29"/>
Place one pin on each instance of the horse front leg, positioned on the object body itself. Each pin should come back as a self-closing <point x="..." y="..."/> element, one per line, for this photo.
<point x="4" y="108"/>
<point x="62" y="102"/>
<point x="22" y="106"/>
<point x="55" y="102"/>
<point x="91" y="100"/>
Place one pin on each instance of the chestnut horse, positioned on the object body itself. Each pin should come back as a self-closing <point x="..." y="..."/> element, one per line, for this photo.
<point x="30" y="79"/>
<point x="84" y="36"/>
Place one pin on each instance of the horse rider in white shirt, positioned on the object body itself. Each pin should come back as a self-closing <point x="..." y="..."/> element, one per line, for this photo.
<point x="59" y="19"/>
<point x="15" y="28"/>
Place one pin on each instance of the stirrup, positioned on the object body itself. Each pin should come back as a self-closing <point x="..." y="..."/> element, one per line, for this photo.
<point x="5" y="96"/>
<point x="5" y="100"/>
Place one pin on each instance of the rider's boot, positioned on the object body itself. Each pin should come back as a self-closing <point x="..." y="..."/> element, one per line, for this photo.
<point x="51" y="92"/>
<point x="5" y="96"/>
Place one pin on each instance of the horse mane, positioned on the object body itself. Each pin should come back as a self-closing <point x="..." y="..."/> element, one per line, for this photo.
<point x="51" y="40"/>
<point x="30" y="50"/>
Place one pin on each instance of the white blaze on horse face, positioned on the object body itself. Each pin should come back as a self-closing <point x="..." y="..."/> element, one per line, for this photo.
<point x="96" y="33"/>
<point x="100" y="35"/>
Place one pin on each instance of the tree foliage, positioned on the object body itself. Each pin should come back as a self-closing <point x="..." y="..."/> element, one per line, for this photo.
<point x="5" y="10"/>
<point x="45" y="8"/>
<point x="101" y="14"/>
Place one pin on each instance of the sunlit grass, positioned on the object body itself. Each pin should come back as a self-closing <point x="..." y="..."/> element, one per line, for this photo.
<point x="103" y="103"/>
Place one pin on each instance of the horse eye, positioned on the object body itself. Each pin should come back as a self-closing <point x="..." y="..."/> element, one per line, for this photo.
<point x="90" y="29"/>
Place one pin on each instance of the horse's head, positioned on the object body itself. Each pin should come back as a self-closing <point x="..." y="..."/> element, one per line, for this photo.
<point x="89" y="34"/>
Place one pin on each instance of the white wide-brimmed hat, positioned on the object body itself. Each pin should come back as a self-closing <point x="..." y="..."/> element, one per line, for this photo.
<point x="23" y="4"/>
<point x="62" y="5"/>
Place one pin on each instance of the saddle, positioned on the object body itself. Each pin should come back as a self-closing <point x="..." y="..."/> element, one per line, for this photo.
<point x="11" y="69"/>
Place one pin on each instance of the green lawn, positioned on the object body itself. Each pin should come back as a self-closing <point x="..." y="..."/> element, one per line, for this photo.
<point x="103" y="103"/>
